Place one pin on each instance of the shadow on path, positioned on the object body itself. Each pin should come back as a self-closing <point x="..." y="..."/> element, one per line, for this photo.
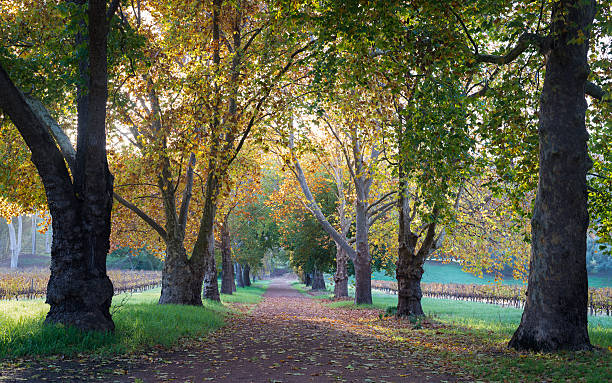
<point x="286" y="338"/>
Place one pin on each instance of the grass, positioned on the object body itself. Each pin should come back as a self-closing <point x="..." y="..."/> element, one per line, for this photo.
<point x="140" y="322"/>
<point x="503" y="321"/>
<point x="251" y="295"/>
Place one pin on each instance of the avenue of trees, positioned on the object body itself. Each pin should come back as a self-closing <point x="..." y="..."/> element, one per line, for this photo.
<point x="338" y="135"/>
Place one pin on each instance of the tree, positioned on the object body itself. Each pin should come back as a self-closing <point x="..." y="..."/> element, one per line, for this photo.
<point x="311" y="249"/>
<point x="79" y="291"/>
<point x="555" y="315"/>
<point x="15" y="241"/>
<point x="244" y="190"/>
<point x="216" y="98"/>
<point x="361" y="168"/>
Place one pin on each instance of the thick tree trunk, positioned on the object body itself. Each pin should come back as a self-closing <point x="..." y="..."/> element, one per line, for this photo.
<point x="409" y="273"/>
<point x="555" y="315"/>
<point x="409" y="269"/>
<point x="318" y="281"/>
<point x="341" y="275"/>
<point x="239" y="280"/>
<point x="307" y="279"/>
<point x="227" y="275"/>
<point x="79" y="291"/>
<point x="246" y="275"/>
<point x="181" y="281"/>
<point x="211" y="285"/>
<point x="362" y="262"/>
<point x="363" y="276"/>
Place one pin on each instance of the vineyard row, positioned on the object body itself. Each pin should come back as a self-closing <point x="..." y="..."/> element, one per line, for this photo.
<point x="600" y="299"/>
<point x="31" y="284"/>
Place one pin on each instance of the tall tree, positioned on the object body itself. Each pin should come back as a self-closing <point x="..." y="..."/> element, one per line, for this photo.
<point x="555" y="315"/>
<point x="79" y="291"/>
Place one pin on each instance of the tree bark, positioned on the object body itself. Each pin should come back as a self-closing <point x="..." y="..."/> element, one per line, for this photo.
<point x="409" y="269"/>
<point x="555" y="315"/>
<point x="210" y="289"/>
<point x="409" y="273"/>
<point x="246" y="275"/>
<point x="363" y="277"/>
<point x="318" y="281"/>
<point x="181" y="279"/>
<point x="15" y="241"/>
<point x="341" y="275"/>
<point x="239" y="280"/>
<point x="227" y="275"/>
<point x="307" y="279"/>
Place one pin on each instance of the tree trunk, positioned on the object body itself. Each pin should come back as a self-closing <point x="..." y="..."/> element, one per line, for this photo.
<point x="79" y="292"/>
<point x="409" y="273"/>
<point x="239" y="280"/>
<point x="307" y="279"/>
<point x="15" y="242"/>
<point x="409" y="269"/>
<point x="362" y="262"/>
<point x="227" y="277"/>
<point x="33" y="234"/>
<point x="555" y="315"/>
<point x="233" y="268"/>
<point x="210" y="289"/>
<point x="318" y="281"/>
<point x="246" y="275"/>
<point x="363" y="281"/>
<point x="181" y="281"/>
<point x="341" y="275"/>
<point x="48" y="240"/>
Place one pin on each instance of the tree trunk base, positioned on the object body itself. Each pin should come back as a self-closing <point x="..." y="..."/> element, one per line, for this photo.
<point x="84" y="305"/>
<point x="180" y="285"/>
<point x="341" y="287"/>
<point x="546" y="336"/>
<point x="410" y="308"/>
<point x="318" y="282"/>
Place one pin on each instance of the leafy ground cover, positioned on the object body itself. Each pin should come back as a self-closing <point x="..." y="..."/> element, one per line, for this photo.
<point x="287" y="338"/>
<point x="140" y="323"/>
<point x="473" y="336"/>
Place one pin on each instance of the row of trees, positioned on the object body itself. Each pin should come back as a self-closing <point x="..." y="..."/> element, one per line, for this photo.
<point x="13" y="237"/>
<point x="407" y="116"/>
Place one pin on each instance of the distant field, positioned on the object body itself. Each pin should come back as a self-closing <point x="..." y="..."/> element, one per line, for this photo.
<point x="452" y="273"/>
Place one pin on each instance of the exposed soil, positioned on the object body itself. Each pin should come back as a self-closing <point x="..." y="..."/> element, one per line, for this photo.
<point x="288" y="337"/>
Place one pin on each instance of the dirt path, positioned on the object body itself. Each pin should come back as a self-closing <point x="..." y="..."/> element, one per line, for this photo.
<point x="287" y="338"/>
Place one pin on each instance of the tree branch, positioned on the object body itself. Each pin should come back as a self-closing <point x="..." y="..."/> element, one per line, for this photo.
<point x="597" y="92"/>
<point x="339" y="239"/>
<point x="154" y="225"/>
<point x="187" y="194"/>
<point x="524" y="42"/>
